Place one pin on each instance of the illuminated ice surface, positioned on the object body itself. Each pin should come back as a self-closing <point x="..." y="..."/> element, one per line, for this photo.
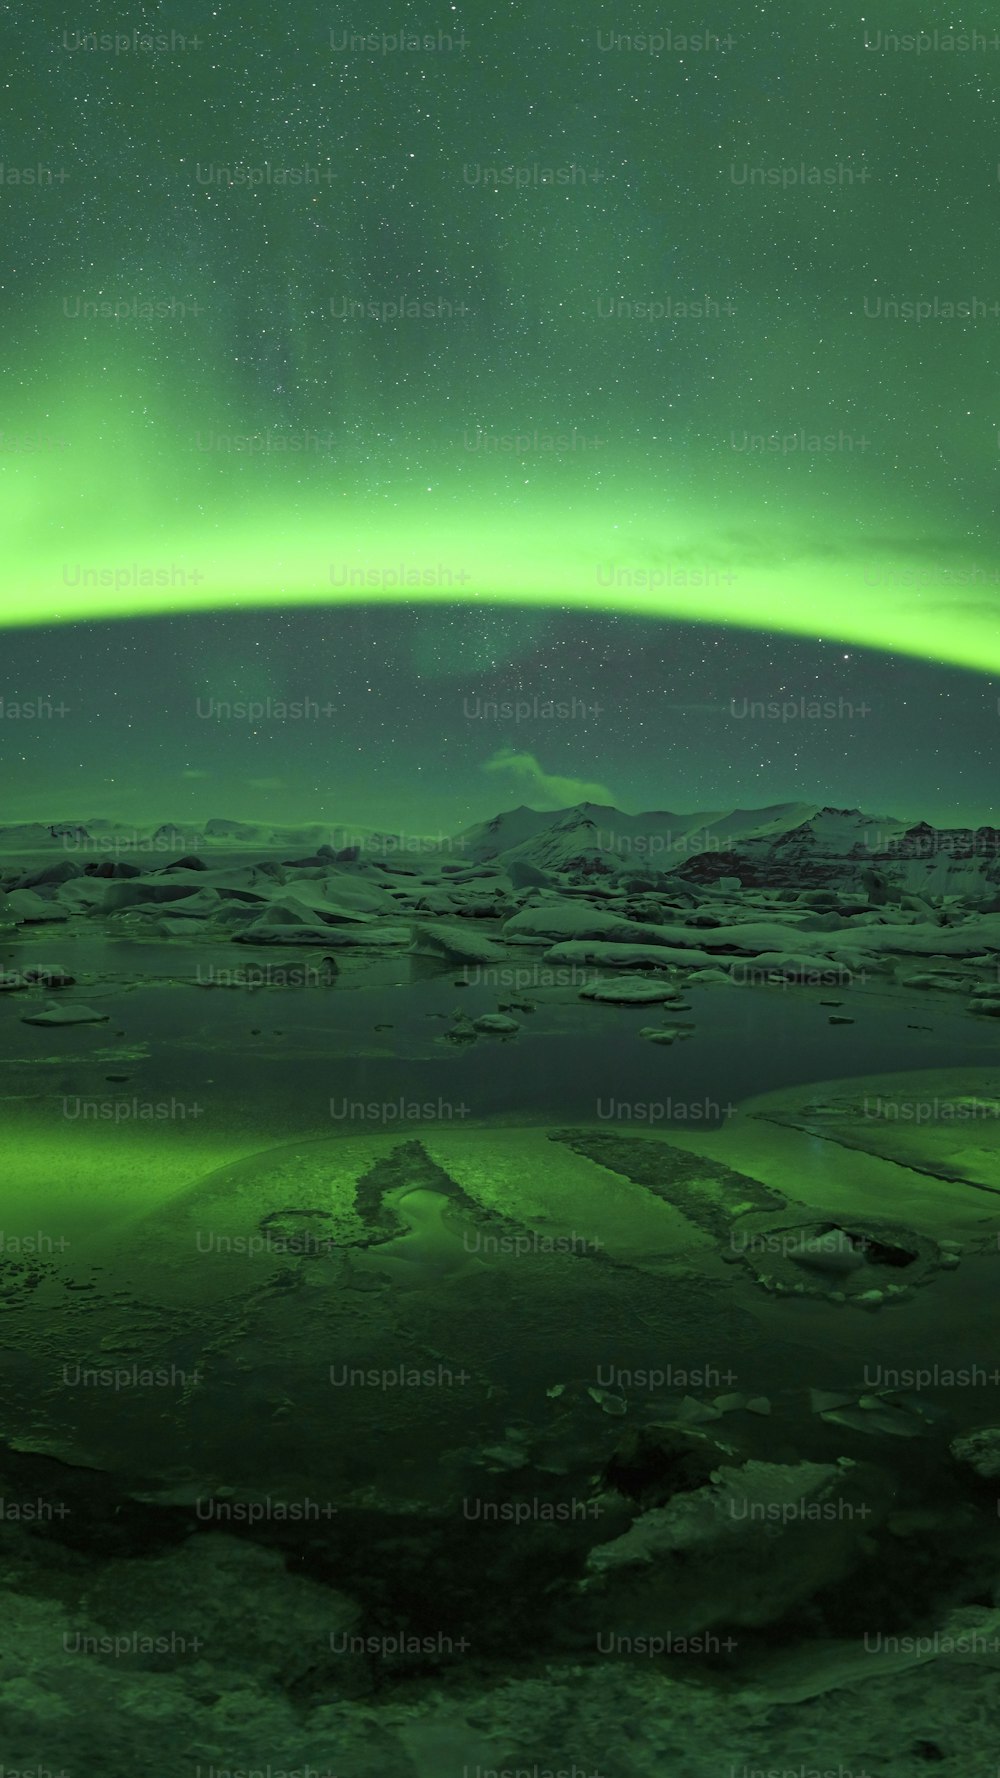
<point x="565" y="1389"/>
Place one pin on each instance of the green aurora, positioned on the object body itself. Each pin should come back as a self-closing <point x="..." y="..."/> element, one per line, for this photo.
<point x="121" y="527"/>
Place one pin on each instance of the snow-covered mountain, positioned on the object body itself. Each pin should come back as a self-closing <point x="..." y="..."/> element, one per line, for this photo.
<point x="841" y="848"/>
<point x="600" y="840"/>
<point x="597" y="839"/>
<point x="785" y="844"/>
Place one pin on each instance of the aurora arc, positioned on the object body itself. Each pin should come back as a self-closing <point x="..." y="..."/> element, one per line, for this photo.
<point x="555" y="546"/>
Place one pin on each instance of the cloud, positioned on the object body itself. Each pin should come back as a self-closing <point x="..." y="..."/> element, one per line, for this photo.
<point x="191" y="776"/>
<point x="266" y="783"/>
<point x="544" y="790"/>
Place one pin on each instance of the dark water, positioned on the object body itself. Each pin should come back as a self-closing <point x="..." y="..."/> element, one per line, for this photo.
<point x="378" y="1033"/>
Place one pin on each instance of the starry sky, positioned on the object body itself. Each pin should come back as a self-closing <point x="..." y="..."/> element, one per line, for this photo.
<point x="645" y="368"/>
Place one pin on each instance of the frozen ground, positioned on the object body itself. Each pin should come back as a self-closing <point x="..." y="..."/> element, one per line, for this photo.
<point x="500" y="1315"/>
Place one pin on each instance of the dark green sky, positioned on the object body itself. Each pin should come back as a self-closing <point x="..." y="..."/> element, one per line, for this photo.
<point x="856" y="560"/>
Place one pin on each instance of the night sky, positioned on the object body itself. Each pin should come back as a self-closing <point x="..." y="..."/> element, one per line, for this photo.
<point x="682" y="413"/>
